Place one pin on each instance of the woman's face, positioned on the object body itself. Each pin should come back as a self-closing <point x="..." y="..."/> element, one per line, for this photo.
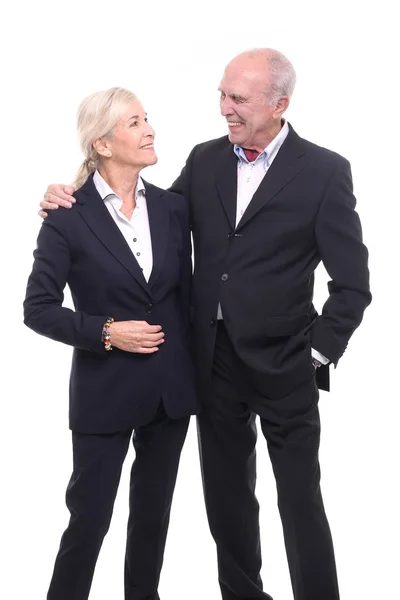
<point x="131" y="143"/>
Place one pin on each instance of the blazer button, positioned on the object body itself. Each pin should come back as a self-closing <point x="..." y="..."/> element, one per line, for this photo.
<point x="150" y="308"/>
<point x="224" y="277"/>
<point x="212" y="322"/>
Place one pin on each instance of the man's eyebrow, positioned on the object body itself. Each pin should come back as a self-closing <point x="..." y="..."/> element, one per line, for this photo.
<point x="233" y="95"/>
<point x="236" y="96"/>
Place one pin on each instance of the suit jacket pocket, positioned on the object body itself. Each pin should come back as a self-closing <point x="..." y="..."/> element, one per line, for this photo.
<point x="285" y="326"/>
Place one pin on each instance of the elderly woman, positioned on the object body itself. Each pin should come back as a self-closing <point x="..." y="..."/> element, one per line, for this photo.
<point x="125" y="253"/>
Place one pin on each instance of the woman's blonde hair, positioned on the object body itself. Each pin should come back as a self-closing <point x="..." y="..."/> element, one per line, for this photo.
<point x="97" y="116"/>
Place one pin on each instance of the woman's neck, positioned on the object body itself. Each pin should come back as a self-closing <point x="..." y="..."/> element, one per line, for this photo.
<point x="123" y="182"/>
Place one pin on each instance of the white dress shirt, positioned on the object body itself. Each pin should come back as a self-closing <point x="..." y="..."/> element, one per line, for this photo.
<point x="251" y="174"/>
<point x="136" y="231"/>
<point x="249" y="177"/>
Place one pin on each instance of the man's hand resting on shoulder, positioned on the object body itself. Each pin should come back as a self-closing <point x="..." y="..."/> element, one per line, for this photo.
<point x="57" y="195"/>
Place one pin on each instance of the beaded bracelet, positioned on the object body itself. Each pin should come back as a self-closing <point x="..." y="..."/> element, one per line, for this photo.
<point x="105" y="335"/>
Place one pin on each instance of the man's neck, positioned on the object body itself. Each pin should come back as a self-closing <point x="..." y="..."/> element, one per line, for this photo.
<point x="269" y="136"/>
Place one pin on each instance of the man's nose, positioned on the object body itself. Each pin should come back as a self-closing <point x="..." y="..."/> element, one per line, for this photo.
<point x="226" y="107"/>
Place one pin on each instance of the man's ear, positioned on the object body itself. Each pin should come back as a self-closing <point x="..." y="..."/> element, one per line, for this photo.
<point x="281" y="106"/>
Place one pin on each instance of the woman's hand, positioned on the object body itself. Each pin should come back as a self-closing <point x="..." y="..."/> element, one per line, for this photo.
<point x="136" y="336"/>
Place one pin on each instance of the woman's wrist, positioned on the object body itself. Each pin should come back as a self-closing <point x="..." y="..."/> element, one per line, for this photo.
<point x="106" y="334"/>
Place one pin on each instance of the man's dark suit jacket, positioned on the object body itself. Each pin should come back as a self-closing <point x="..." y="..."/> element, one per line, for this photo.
<point x="262" y="271"/>
<point x="116" y="390"/>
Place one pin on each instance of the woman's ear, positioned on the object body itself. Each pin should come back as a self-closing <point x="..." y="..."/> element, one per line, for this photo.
<point x="101" y="145"/>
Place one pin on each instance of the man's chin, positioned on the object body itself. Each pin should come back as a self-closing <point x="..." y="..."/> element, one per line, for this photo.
<point x="235" y="138"/>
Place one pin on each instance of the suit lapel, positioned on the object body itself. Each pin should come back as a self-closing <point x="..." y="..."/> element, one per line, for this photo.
<point x="290" y="160"/>
<point x="94" y="212"/>
<point x="227" y="184"/>
<point x="159" y="218"/>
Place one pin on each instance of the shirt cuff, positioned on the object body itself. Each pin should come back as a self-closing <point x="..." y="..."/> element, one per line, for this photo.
<point x="322" y="359"/>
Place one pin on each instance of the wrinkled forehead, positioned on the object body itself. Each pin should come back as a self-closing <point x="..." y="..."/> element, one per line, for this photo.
<point x="245" y="78"/>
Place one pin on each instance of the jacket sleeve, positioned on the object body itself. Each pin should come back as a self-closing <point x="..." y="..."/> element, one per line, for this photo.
<point x="339" y="240"/>
<point x="186" y="267"/>
<point x="182" y="184"/>
<point x="43" y="310"/>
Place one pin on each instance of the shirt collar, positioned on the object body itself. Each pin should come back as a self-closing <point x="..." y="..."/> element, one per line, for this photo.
<point x="105" y="191"/>
<point x="269" y="153"/>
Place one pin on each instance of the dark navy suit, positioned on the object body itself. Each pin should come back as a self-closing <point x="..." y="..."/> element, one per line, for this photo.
<point x="257" y="361"/>
<point x="114" y="393"/>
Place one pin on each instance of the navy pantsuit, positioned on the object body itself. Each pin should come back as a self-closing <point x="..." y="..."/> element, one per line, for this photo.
<point x="116" y="395"/>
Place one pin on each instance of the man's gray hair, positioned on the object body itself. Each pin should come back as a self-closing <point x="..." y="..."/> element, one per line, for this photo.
<point x="281" y="72"/>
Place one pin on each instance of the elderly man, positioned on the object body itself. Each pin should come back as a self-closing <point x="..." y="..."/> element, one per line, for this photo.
<point x="267" y="207"/>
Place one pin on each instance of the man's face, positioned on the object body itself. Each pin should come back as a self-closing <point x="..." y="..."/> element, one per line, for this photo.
<point x="244" y="104"/>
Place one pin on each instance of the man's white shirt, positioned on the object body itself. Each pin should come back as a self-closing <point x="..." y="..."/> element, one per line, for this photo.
<point x="251" y="174"/>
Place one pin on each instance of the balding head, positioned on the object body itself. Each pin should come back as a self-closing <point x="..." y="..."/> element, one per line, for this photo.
<point x="255" y="91"/>
<point x="271" y="66"/>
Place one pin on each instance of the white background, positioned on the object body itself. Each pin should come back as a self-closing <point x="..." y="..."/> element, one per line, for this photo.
<point x="172" y="55"/>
